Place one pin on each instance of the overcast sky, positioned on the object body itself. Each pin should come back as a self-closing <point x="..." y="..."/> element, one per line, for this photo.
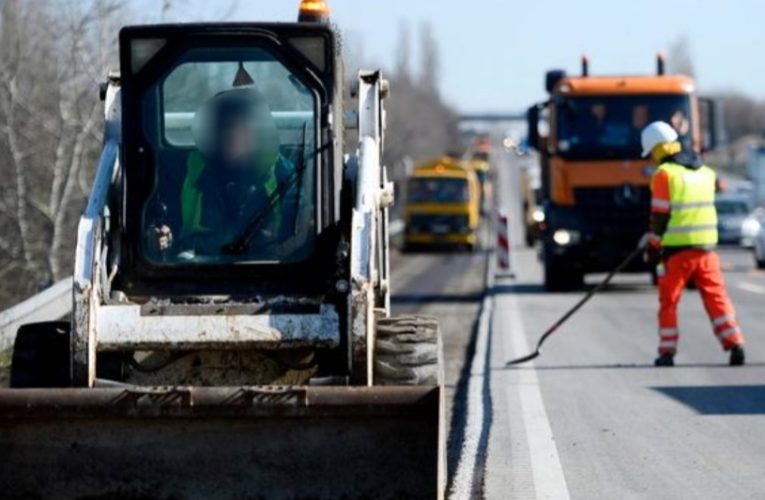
<point x="495" y="52"/>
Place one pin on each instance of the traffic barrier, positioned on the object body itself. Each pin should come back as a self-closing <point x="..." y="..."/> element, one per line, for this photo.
<point x="504" y="261"/>
<point x="49" y="305"/>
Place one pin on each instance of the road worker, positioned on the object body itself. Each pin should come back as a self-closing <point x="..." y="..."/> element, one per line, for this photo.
<point x="682" y="241"/>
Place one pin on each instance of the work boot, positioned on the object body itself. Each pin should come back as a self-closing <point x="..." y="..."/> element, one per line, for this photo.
<point x="665" y="360"/>
<point x="737" y="355"/>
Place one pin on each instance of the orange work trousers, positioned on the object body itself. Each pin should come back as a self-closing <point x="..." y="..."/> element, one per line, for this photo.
<point x="703" y="267"/>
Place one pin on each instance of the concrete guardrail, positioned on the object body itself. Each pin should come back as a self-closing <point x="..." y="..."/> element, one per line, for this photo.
<point x="50" y="304"/>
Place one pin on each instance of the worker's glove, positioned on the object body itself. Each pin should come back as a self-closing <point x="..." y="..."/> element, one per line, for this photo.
<point x="164" y="237"/>
<point x="651" y="245"/>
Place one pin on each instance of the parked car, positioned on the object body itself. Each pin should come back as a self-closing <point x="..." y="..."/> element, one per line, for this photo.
<point x="758" y="247"/>
<point x="732" y="211"/>
<point x="751" y="227"/>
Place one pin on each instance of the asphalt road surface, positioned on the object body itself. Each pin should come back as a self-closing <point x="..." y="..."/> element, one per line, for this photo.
<point x="593" y="418"/>
<point x="449" y="286"/>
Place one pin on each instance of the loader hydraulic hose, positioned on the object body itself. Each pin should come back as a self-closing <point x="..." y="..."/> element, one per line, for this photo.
<point x="635" y="253"/>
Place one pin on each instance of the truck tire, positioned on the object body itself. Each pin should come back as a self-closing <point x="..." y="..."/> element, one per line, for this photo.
<point x="408" y="351"/>
<point x="530" y="239"/>
<point x="41" y="356"/>
<point x="759" y="261"/>
<point x="561" y="279"/>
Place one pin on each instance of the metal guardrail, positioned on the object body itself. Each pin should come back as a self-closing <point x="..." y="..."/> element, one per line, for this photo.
<point x="50" y="304"/>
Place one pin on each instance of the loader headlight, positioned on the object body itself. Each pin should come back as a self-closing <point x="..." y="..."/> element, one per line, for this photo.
<point x="565" y="237"/>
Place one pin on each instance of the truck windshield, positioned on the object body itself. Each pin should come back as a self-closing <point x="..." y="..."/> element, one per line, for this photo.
<point x="233" y="134"/>
<point x="438" y="190"/>
<point x="610" y="127"/>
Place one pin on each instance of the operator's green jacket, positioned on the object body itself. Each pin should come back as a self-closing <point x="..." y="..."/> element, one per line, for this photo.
<point x="214" y="212"/>
<point x="685" y="189"/>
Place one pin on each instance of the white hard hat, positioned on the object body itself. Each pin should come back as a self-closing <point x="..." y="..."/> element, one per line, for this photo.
<point x="657" y="133"/>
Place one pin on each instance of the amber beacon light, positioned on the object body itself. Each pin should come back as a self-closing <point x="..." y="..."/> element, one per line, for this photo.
<point x="313" y="11"/>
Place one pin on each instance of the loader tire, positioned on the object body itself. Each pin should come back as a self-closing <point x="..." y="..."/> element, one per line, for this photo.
<point x="408" y="351"/>
<point x="41" y="356"/>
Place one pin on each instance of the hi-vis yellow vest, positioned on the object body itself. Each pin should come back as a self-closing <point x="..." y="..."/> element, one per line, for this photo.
<point x="693" y="217"/>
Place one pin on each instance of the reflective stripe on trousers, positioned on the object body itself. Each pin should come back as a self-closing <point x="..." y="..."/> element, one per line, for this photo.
<point x="704" y="268"/>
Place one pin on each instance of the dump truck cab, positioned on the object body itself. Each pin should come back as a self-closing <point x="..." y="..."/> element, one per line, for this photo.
<point x="595" y="185"/>
<point x="231" y="295"/>
<point x="442" y="205"/>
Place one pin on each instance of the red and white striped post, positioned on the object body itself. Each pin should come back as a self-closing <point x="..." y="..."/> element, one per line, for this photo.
<point x="504" y="264"/>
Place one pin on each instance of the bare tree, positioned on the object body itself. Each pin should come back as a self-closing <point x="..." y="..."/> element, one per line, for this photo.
<point x="403" y="52"/>
<point x="743" y="114"/>
<point x="680" y="58"/>
<point x="430" y="64"/>
<point x="52" y="55"/>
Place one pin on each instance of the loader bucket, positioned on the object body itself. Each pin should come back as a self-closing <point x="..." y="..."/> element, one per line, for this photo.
<point x="244" y="442"/>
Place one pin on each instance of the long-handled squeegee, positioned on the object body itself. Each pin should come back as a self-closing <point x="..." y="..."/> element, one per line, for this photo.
<point x="578" y="306"/>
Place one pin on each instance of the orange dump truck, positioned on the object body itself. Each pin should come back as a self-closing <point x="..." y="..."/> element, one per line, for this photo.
<point x="595" y="185"/>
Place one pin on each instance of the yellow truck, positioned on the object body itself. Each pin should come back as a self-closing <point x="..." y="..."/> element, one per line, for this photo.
<point x="481" y="169"/>
<point x="442" y="205"/>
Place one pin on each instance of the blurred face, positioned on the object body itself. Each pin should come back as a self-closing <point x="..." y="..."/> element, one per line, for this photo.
<point x="238" y="143"/>
<point x="599" y="111"/>
<point x="640" y="117"/>
<point x="680" y="122"/>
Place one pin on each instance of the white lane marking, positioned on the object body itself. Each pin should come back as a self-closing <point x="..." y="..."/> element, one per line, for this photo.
<point x="462" y="485"/>
<point x="549" y="480"/>
<point x="751" y="287"/>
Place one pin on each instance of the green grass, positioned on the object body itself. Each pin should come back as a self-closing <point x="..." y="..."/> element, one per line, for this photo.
<point x="5" y="358"/>
<point x="5" y="367"/>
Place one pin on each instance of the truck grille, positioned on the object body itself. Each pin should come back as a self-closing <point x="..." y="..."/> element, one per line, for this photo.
<point x="625" y="196"/>
<point x="614" y="210"/>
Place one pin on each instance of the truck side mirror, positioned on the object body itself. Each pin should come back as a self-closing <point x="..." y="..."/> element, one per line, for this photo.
<point x="712" y="124"/>
<point x="532" y="121"/>
<point x="552" y="78"/>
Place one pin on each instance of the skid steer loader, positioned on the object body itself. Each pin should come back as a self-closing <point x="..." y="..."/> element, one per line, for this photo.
<point x="231" y="333"/>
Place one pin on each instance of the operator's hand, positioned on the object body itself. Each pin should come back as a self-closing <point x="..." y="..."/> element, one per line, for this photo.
<point x="164" y="237"/>
<point x="651" y="245"/>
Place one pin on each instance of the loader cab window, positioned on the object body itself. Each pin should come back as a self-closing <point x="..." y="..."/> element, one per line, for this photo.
<point x="610" y="127"/>
<point x="234" y="140"/>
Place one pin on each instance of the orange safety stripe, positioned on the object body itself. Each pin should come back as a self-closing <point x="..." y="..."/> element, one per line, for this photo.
<point x="660" y="192"/>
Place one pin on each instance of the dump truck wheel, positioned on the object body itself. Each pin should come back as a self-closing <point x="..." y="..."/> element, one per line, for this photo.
<point x="41" y="356"/>
<point x="559" y="279"/>
<point x="530" y="240"/>
<point x="408" y="351"/>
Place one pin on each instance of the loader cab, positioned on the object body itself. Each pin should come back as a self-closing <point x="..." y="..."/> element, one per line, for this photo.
<point x="230" y="172"/>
